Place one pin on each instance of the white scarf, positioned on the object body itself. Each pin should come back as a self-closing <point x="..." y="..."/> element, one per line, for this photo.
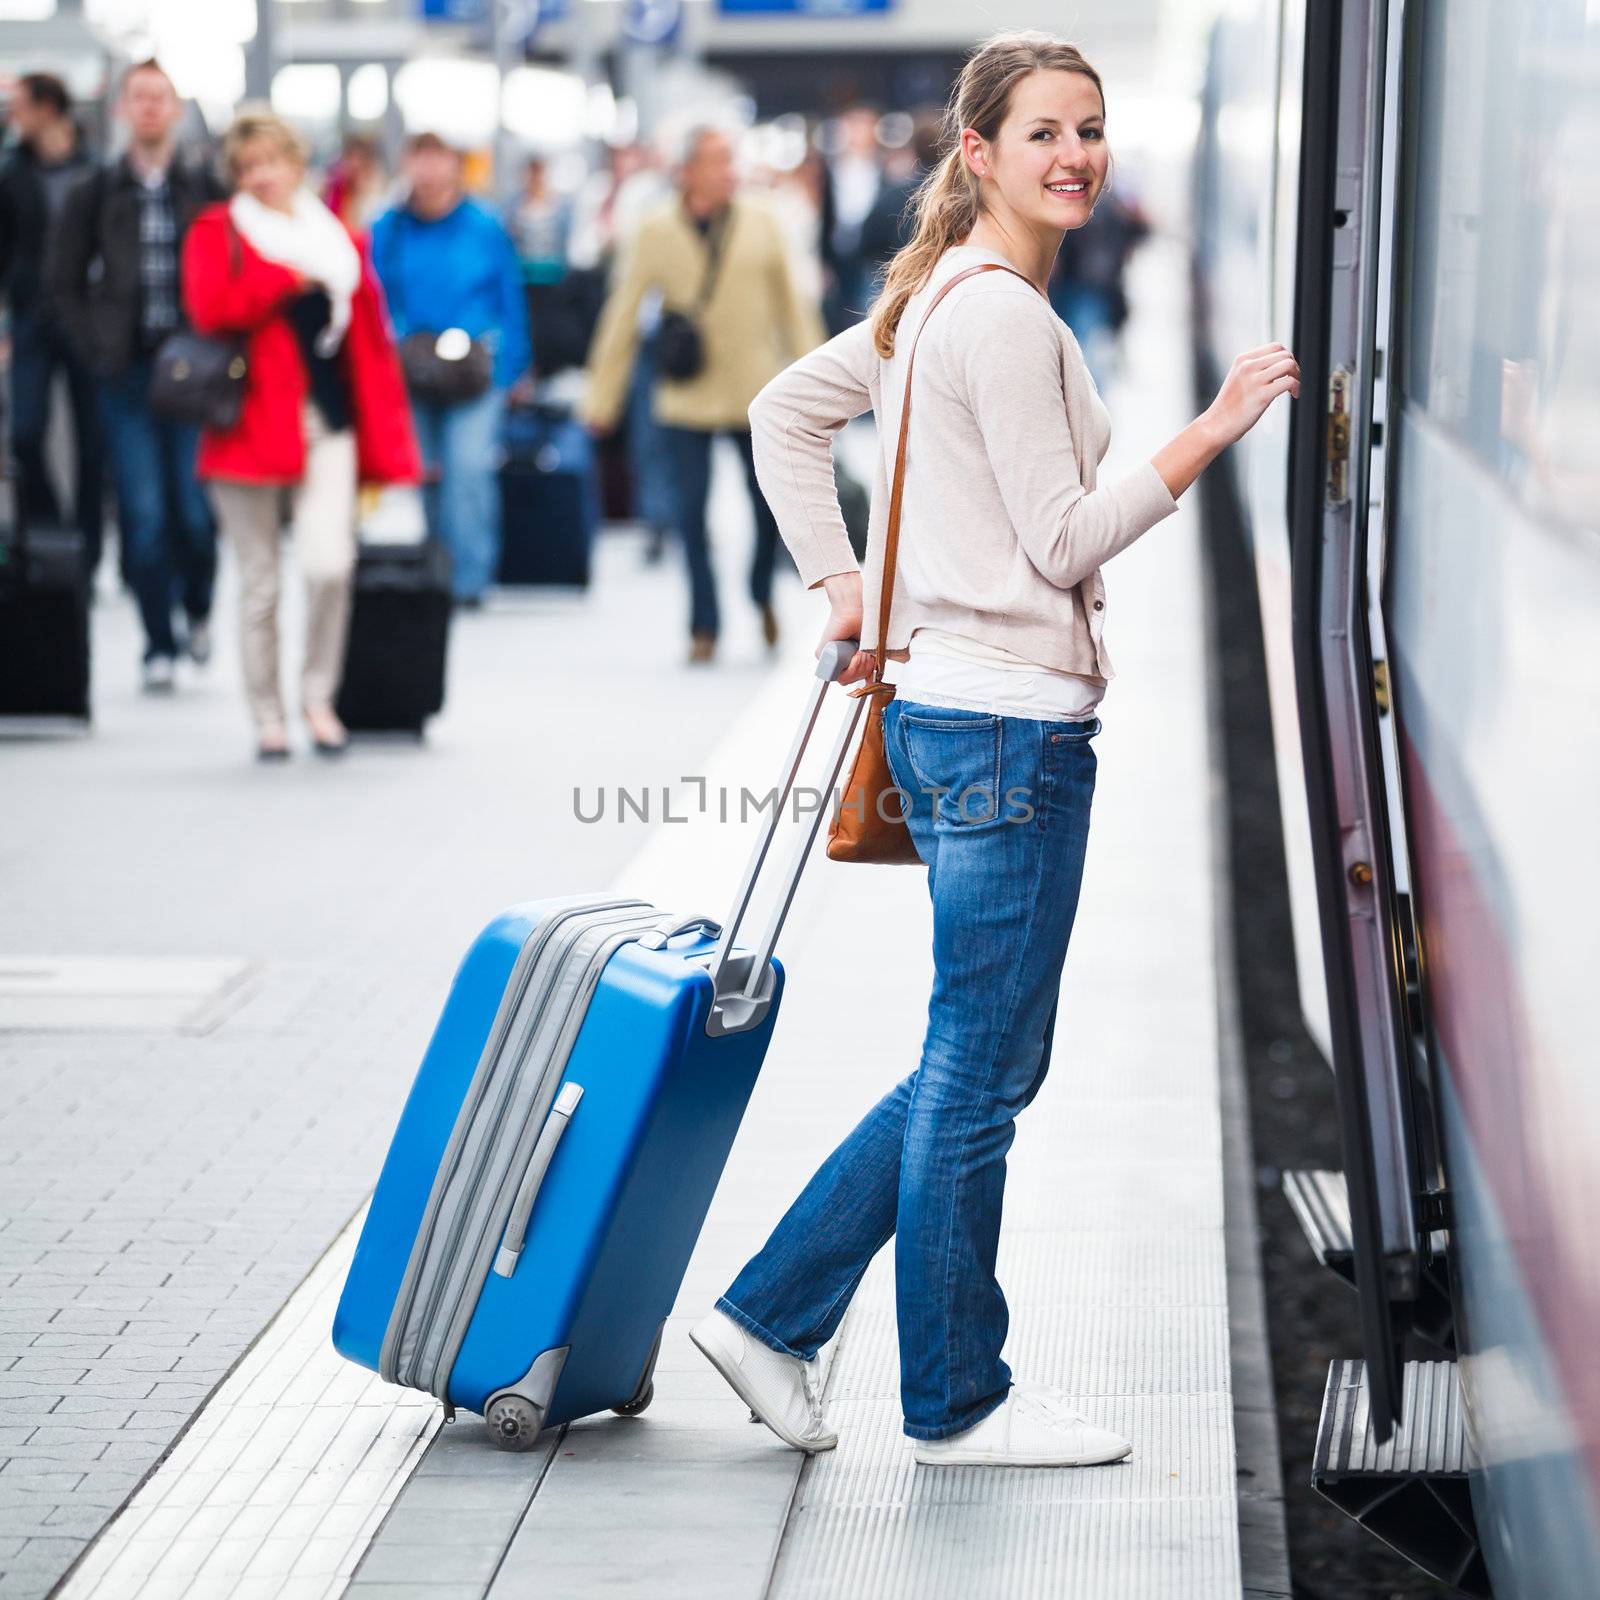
<point x="314" y="242"/>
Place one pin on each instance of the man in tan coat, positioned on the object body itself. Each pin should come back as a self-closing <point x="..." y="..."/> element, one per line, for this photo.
<point x="722" y="262"/>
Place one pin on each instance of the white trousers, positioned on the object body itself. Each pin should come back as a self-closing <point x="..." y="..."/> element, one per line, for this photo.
<point x="322" y="524"/>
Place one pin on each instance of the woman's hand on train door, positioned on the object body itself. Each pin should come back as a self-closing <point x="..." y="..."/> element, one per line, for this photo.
<point x="844" y="622"/>
<point x="1254" y="381"/>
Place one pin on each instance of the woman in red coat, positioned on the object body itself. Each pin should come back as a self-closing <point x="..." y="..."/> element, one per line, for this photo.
<point x="324" y="408"/>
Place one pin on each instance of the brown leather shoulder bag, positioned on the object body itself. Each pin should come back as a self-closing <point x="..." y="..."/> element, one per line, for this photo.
<point x="869" y="823"/>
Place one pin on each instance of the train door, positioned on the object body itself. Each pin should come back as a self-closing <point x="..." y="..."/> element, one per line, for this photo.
<point x="1336" y="300"/>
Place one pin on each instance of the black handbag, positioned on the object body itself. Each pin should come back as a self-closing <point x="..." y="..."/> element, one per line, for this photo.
<point x="442" y="367"/>
<point x="200" y="378"/>
<point x="447" y="368"/>
<point x="678" y="349"/>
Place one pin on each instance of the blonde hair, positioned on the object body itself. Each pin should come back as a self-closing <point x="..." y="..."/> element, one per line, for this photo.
<point x="259" y="121"/>
<point x="948" y="202"/>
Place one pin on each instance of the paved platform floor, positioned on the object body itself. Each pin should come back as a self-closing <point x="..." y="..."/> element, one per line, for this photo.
<point x="179" y="1188"/>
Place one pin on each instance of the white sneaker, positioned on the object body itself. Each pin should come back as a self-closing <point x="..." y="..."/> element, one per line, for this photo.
<point x="198" y="644"/>
<point x="1038" y="1426"/>
<point x="782" y="1391"/>
<point x="159" y="676"/>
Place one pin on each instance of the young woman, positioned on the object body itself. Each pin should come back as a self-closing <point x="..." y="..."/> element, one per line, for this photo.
<point x="997" y="617"/>
<point x="324" y="408"/>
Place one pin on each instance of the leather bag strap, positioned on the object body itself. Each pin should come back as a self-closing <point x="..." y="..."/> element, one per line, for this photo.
<point x="891" y="546"/>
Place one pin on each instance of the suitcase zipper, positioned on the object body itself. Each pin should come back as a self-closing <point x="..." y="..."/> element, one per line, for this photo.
<point x="494" y="1224"/>
<point x="483" y="1077"/>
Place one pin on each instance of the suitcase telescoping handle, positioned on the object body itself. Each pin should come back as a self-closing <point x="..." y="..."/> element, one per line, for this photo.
<point x="743" y="984"/>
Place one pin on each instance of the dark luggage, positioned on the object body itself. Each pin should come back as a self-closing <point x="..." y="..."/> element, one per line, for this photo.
<point x="562" y="317"/>
<point x="549" y="498"/>
<point x="44" y="623"/>
<point x="563" y="1139"/>
<point x="619" y="493"/>
<point x="394" y="662"/>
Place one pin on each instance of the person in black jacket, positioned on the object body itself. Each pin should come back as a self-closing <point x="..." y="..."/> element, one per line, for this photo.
<point x="887" y="227"/>
<point x="113" y="278"/>
<point x="35" y="177"/>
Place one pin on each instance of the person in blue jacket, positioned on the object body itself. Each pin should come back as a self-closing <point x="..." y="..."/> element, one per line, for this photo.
<point x="450" y="273"/>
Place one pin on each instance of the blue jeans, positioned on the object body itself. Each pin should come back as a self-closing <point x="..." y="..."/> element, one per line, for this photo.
<point x="461" y="499"/>
<point x="927" y="1165"/>
<point x="169" y="540"/>
<point x="652" y="471"/>
<point x="39" y="349"/>
<point x="688" y="454"/>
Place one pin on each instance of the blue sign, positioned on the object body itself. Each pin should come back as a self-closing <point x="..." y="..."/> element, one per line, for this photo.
<point x="801" y="8"/>
<point x="455" y="10"/>
<point x="521" y="20"/>
<point x="652" y="21"/>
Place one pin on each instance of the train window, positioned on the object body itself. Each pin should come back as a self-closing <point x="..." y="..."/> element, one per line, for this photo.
<point x="1501" y="244"/>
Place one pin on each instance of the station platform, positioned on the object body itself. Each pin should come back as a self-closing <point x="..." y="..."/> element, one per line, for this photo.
<point x="262" y="953"/>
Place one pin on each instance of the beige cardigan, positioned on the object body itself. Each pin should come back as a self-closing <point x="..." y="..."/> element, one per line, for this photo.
<point x="1003" y="530"/>
<point x="756" y="320"/>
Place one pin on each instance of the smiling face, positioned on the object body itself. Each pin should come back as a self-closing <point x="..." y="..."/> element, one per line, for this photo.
<point x="1047" y="165"/>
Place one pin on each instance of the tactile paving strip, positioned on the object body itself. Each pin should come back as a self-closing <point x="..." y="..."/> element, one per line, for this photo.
<point x="281" y="1480"/>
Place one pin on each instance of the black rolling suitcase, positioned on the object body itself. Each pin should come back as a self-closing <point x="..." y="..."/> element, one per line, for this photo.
<point x="44" y="623"/>
<point x="549" y="498"/>
<point x="394" y="662"/>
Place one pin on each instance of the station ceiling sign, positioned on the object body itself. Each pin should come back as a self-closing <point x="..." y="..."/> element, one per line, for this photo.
<point x="803" y="8"/>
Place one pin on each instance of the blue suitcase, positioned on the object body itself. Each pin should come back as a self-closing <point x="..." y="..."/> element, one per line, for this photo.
<point x="560" y="1147"/>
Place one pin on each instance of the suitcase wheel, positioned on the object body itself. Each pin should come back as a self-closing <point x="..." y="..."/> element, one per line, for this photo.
<point x="632" y="1408"/>
<point x="514" y="1423"/>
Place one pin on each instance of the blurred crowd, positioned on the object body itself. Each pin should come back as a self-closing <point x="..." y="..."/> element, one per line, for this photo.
<point x="245" y="344"/>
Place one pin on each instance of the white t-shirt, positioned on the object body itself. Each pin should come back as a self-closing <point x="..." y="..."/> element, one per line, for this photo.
<point x="947" y="669"/>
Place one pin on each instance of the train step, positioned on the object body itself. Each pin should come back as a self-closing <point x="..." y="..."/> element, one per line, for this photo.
<point x="1321" y="1204"/>
<point x="1412" y="1490"/>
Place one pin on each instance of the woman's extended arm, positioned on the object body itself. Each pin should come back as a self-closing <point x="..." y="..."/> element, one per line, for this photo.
<point x="1004" y="351"/>
<point x="1005" y="354"/>
<point x="1254" y="381"/>
<point x="1187" y="454"/>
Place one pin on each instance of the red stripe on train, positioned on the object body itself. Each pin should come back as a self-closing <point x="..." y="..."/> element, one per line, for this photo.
<point x="1481" y="1020"/>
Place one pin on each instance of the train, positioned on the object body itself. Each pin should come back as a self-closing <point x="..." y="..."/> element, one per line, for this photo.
<point x="1407" y="195"/>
